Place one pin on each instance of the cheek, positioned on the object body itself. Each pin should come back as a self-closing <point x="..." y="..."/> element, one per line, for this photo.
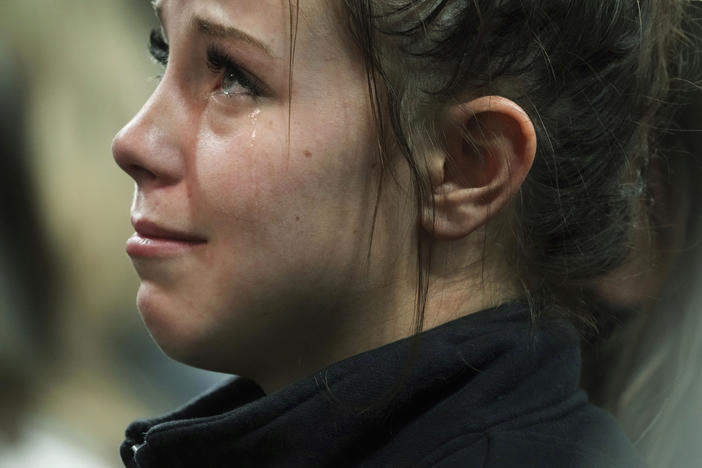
<point x="253" y="175"/>
<point x="233" y="169"/>
<point x="278" y="210"/>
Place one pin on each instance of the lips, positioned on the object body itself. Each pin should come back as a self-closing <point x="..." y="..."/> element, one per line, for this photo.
<point x="148" y="229"/>
<point x="152" y="240"/>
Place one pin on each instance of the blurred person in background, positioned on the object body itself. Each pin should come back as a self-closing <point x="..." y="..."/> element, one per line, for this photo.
<point x="26" y="267"/>
<point x="239" y="271"/>
<point x="28" y="297"/>
<point x="649" y="371"/>
<point x="661" y="401"/>
<point x="77" y="364"/>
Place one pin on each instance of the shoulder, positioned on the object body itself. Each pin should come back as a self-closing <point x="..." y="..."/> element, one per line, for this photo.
<point x="586" y="438"/>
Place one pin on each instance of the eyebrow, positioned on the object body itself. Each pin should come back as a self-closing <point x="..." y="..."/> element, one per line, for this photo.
<point x="216" y="30"/>
<point x="228" y="32"/>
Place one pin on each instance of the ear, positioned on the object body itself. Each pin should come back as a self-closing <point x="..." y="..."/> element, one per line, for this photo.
<point x="489" y="148"/>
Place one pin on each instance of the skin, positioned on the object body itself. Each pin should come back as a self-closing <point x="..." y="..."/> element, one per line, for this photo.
<point x="287" y="223"/>
<point x="283" y="284"/>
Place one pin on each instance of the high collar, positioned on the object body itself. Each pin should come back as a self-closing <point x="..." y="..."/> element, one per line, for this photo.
<point x="488" y="369"/>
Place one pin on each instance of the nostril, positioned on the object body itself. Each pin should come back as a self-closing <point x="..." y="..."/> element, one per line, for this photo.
<point x="139" y="173"/>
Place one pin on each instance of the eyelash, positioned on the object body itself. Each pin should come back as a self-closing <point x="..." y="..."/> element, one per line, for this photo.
<point x="217" y="61"/>
<point x="158" y="47"/>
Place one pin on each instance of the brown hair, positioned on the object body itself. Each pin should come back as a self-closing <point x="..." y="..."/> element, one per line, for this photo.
<point x="602" y="83"/>
<point x="593" y="77"/>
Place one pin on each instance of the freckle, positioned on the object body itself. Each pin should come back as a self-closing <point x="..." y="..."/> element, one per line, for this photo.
<point x="307" y="153"/>
<point x="297" y="218"/>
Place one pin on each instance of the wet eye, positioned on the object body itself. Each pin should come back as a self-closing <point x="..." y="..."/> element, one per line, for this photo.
<point x="158" y="47"/>
<point x="235" y="80"/>
<point x="232" y="84"/>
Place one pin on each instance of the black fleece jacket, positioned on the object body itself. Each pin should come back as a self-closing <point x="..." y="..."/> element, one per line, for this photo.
<point x="491" y="389"/>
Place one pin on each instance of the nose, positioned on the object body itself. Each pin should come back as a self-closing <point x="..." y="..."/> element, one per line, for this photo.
<point x="150" y="147"/>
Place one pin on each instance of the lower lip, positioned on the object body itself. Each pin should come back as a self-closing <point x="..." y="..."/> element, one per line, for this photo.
<point x="156" y="247"/>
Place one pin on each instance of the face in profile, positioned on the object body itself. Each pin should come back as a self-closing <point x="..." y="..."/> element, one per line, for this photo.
<point x="254" y="200"/>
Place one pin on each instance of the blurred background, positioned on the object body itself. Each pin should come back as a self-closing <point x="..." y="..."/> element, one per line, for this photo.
<point x="76" y="364"/>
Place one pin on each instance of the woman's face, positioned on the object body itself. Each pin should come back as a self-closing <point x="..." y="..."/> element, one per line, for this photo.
<point x="253" y="205"/>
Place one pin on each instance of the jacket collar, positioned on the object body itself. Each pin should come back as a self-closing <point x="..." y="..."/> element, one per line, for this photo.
<point x="476" y="372"/>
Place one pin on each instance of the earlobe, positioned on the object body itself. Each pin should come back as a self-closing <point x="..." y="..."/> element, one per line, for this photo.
<point x="490" y="144"/>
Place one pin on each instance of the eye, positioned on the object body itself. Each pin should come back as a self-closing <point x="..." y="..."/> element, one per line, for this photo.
<point x="158" y="47"/>
<point x="235" y="80"/>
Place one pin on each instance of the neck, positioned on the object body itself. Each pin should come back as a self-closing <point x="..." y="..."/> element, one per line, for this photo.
<point x="465" y="277"/>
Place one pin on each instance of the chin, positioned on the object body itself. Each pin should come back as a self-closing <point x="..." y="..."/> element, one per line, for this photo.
<point x="189" y="334"/>
<point x="170" y="322"/>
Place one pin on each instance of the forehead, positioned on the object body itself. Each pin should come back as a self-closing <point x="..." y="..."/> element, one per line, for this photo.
<point x="313" y="24"/>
